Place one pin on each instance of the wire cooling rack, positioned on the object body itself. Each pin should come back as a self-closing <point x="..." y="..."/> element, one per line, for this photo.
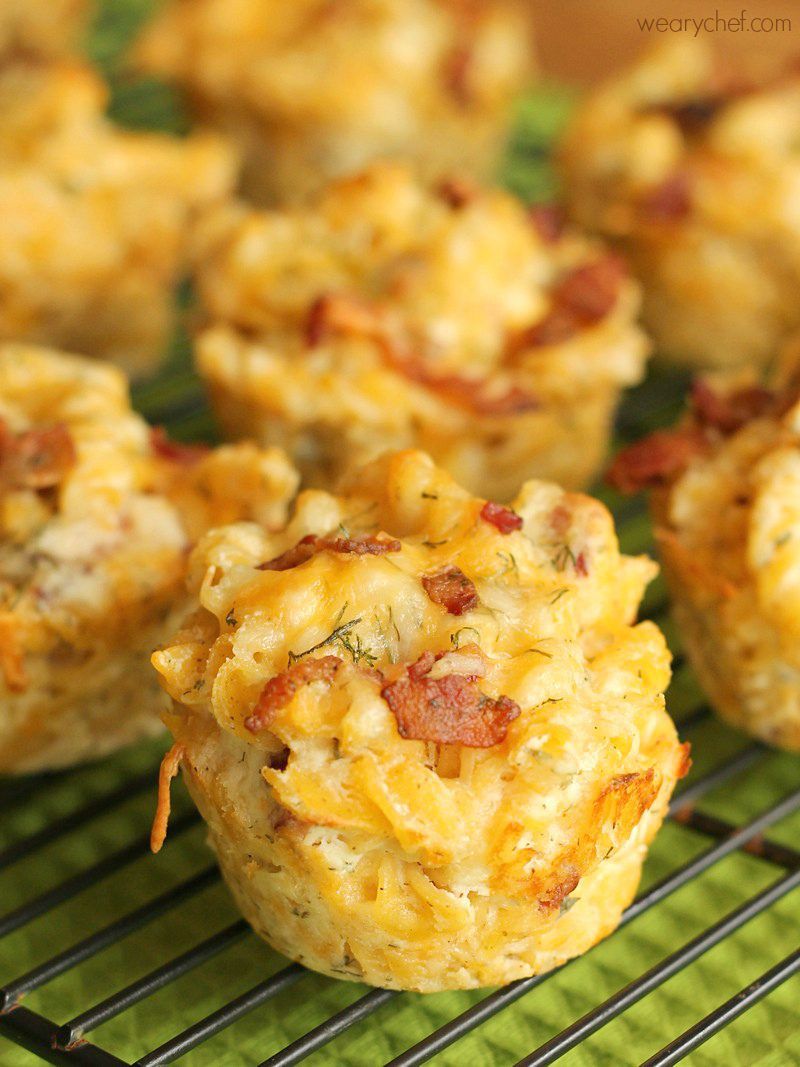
<point x="109" y="956"/>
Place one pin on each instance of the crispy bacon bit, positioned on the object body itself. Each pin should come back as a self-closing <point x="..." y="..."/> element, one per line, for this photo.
<point x="364" y="545"/>
<point x="174" y="451"/>
<point x="339" y="313"/>
<point x="669" y="201"/>
<point x="548" y="220"/>
<point x="502" y="518"/>
<point x="560" y="519"/>
<point x="35" y="459"/>
<point x="280" y="690"/>
<point x="450" y="710"/>
<point x="692" y="116"/>
<point x="170" y="765"/>
<point x="457" y="192"/>
<point x="728" y="412"/>
<point x="590" y="292"/>
<point x="452" y="589"/>
<point x="582" y="298"/>
<point x="310" y="545"/>
<point x="581" y="564"/>
<point x="474" y="394"/>
<point x="457" y="74"/>
<point x="656" y="460"/>
<point x="305" y="548"/>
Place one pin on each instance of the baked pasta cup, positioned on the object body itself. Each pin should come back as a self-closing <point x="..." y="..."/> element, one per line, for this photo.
<point x="726" y="499"/>
<point x="393" y="314"/>
<point x="42" y="27"/>
<point x="696" y="175"/>
<point x="312" y="90"/>
<point x="97" y="516"/>
<point x="428" y="740"/>
<point x="95" y="218"/>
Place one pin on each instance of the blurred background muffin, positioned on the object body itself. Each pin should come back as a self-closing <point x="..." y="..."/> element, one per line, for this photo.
<point x="95" y="218"/>
<point x="97" y="516"/>
<point x="392" y="313"/>
<point x="313" y="89"/>
<point x="402" y="717"/>
<point x="726" y="500"/>
<point x="48" y="28"/>
<point x="690" y="164"/>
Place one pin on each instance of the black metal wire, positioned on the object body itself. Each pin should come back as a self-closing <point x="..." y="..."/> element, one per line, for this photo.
<point x="726" y="1013"/>
<point x="70" y="887"/>
<point x="223" y="1017"/>
<point x="66" y="1044"/>
<point x="490" y="1006"/>
<point x="114" y="1005"/>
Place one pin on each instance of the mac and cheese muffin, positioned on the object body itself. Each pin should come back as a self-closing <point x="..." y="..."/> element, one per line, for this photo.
<point x="695" y="173"/>
<point x="95" y="219"/>
<point x="97" y="516"/>
<point x="429" y="741"/>
<point x="726" y="497"/>
<point x="314" y="89"/>
<point x="41" y="27"/>
<point x="394" y="314"/>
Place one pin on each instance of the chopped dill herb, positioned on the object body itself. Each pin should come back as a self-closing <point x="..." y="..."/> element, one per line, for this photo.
<point x="456" y="639"/>
<point x="783" y="539"/>
<point x="558" y="595"/>
<point x="564" y="556"/>
<point x="434" y="544"/>
<point x="429" y="496"/>
<point x="510" y="562"/>
<point x="230" y="618"/>
<point x="345" y="639"/>
<point x="540" y="652"/>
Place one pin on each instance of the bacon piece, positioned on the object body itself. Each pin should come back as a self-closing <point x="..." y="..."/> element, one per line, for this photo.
<point x="305" y="548"/>
<point x="457" y="192"/>
<point x="560" y="519"/>
<point x="548" y="220"/>
<point x="474" y="395"/>
<point x="36" y="459"/>
<point x="580" y="299"/>
<point x="450" y="710"/>
<point x="457" y="74"/>
<point x="588" y="293"/>
<point x="728" y="412"/>
<point x="502" y="518"/>
<point x="692" y="116"/>
<point x="669" y="201"/>
<point x="280" y="690"/>
<point x="452" y="589"/>
<point x="364" y="545"/>
<point x="170" y="765"/>
<point x="656" y="460"/>
<point x="311" y="544"/>
<point x="581" y="564"/>
<point x="174" y="451"/>
<point x="339" y="313"/>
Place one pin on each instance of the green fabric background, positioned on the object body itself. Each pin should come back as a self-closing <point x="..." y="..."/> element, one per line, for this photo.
<point x="767" y="1036"/>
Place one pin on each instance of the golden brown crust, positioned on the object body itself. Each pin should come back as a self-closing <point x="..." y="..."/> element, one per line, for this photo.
<point x="97" y="518"/>
<point x="101" y="216"/>
<point x="695" y="176"/>
<point x="312" y="91"/>
<point x="426" y="789"/>
<point x="384" y="317"/>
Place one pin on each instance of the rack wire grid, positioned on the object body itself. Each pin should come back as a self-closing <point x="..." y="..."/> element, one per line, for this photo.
<point x="109" y="956"/>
